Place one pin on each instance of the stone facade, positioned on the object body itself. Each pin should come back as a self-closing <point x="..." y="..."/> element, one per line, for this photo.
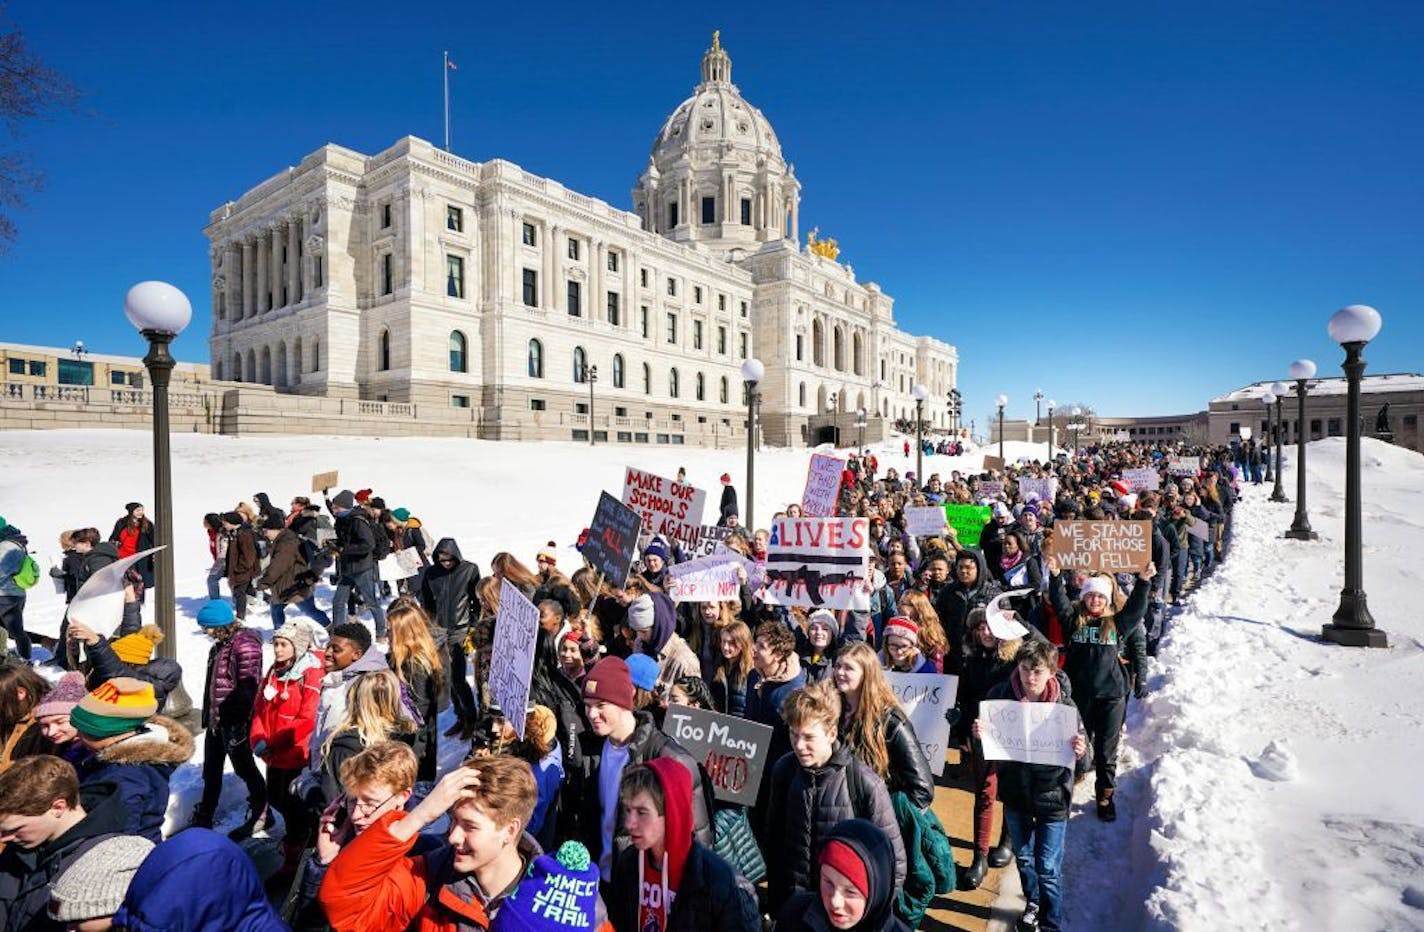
<point x="418" y="277"/>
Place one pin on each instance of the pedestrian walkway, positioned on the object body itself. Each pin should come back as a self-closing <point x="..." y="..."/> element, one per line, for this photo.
<point x="970" y="910"/>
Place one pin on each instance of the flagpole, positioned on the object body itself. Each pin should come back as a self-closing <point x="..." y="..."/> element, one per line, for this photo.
<point x="446" y="73"/>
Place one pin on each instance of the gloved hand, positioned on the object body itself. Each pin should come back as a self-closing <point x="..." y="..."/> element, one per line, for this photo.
<point x="1140" y="690"/>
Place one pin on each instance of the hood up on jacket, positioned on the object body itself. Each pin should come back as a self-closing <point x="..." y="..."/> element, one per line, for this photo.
<point x="197" y="879"/>
<point x="985" y="575"/>
<point x="677" y="815"/>
<point x="664" y="624"/>
<point x="446" y="545"/>
<point x="874" y="850"/>
<point x="161" y="741"/>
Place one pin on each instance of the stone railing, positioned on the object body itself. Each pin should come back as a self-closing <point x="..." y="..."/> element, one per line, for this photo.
<point x="378" y="408"/>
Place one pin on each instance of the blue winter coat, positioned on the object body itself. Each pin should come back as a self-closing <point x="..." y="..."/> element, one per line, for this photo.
<point x="139" y="767"/>
<point x="197" y="879"/>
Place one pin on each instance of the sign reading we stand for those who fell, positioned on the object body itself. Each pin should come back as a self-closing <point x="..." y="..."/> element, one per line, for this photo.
<point x="1102" y="546"/>
<point x="670" y="509"/>
<point x="819" y="563"/>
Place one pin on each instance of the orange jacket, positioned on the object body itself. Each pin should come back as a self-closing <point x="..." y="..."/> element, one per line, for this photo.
<point x="375" y="885"/>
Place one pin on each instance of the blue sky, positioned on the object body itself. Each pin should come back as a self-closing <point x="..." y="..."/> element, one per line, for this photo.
<point x="1135" y="205"/>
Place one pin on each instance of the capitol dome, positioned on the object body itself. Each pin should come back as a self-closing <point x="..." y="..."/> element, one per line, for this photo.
<point x="716" y="174"/>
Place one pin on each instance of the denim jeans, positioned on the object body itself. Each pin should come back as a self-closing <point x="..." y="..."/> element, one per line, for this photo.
<point x="1038" y="847"/>
<point x="368" y="585"/>
<point x="214" y="574"/>
<point x="308" y="607"/>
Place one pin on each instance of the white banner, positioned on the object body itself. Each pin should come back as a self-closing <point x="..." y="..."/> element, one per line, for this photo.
<point x="991" y="490"/>
<point x="708" y="537"/>
<point x="823" y="485"/>
<point x="1141" y="480"/>
<point x="668" y="508"/>
<point x="516" y="629"/>
<point x="401" y="564"/>
<point x="709" y="579"/>
<point x="1183" y="465"/>
<point x="1038" y="490"/>
<point x="819" y="563"/>
<point x="925" y="697"/>
<point x="924" y="522"/>
<point x="1028" y="732"/>
<point x="99" y="603"/>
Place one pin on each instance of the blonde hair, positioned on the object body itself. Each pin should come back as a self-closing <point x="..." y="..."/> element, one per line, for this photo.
<point x="864" y="731"/>
<point x="373" y="709"/>
<point x="808" y="705"/>
<point x="412" y="647"/>
<point x="933" y="641"/>
<point x="506" y="792"/>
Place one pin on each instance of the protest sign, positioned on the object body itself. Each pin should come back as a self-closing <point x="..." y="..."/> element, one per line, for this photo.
<point x="732" y="749"/>
<point x="1200" y="529"/>
<point x="926" y="521"/>
<point x="516" y="628"/>
<point x="708" y="537"/>
<point x="1141" y="480"/>
<point x="968" y="522"/>
<point x="402" y="564"/>
<point x="1038" y="490"/>
<point x="323" y="481"/>
<point x="670" y="509"/>
<point x="1183" y="465"/>
<point x="925" y="697"/>
<point x="1244" y="433"/>
<point x="99" y="603"/>
<point x="1102" y="546"/>
<point x="706" y="579"/>
<point x="823" y="485"/>
<point x="993" y="464"/>
<point x="1028" y="732"/>
<point x="612" y="536"/>
<point x="819" y="563"/>
<point x="991" y="490"/>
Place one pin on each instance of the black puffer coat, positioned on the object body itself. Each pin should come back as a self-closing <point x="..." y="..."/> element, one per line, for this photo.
<point x="804" y="806"/>
<point x="1040" y="790"/>
<point x="712" y="898"/>
<point x="449" y="595"/>
<point x="954" y="602"/>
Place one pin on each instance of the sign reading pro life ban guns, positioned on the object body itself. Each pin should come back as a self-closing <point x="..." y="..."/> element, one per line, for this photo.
<point x="732" y="749"/>
<point x="1102" y="546"/>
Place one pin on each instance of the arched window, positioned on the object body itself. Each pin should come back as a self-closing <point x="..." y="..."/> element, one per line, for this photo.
<point x="672" y="383"/>
<point x="383" y="351"/>
<point x="281" y="373"/>
<point x="266" y="376"/>
<point x="536" y="359"/>
<point x="617" y="370"/>
<point x="316" y="355"/>
<point x="580" y="365"/>
<point x="882" y="370"/>
<point x="647" y="379"/>
<point x="218" y="370"/>
<point x="857" y="346"/>
<point x="838" y="349"/>
<point x="237" y="367"/>
<point x="251" y="369"/>
<point x="298" y="363"/>
<point x="818" y="343"/>
<point x="801" y="395"/>
<point x="459" y="362"/>
<point x="701" y="387"/>
<point x="723" y="393"/>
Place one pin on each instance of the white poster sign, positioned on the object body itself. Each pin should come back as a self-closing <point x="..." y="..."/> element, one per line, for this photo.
<point x="708" y="537"/>
<point x="819" y="563"/>
<point x="709" y="579"/>
<point x="516" y="630"/>
<point x="1028" y="732"/>
<point x="1038" y="490"/>
<point x="1183" y="465"/>
<point x="402" y="564"/>
<point x="823" y="485"/>
<point x="1141" y="480"/>
<point x="924" y="521"/>
<point x="668" y="508"/>
<point x="925" y="697"/>
<point x="99" y="603"/>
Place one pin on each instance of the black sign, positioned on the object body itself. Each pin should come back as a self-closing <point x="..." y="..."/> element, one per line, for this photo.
<point x="612" y="537"/>
<point x="733" y="750"/>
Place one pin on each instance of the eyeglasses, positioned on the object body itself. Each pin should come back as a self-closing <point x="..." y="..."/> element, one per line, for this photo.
<point x="359" y="808"/>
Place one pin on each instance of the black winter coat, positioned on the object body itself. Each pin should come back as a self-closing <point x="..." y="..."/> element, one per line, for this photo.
<point x="449" y="595"/>
<point x="1100" y="670"/>
<point x="162" y="672"/>
<point x="356" y="540"/>
<point x="804" y="911"/>
<point x="954" y="602"/>
<point x="980" y="671"/>
<point x="804" y="805"/>
<point x="712" y="898"/>
<point x="430" y="694"/>
<point x="910" y="770"/>
<point x="1040" y="790"/>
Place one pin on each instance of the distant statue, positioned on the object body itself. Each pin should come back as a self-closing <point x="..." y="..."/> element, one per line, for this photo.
<point x="1382" y="427"/>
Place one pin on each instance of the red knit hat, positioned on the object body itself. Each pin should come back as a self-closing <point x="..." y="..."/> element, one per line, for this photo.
<point x="364" y="496"/>
<point x="609" y="681"/>
<point x="842" y="857"/>
<point x="902" y="627"/>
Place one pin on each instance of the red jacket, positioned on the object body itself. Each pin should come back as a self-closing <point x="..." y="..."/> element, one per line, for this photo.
<point x="286" y="720"/>
<point x="375" y="885"/>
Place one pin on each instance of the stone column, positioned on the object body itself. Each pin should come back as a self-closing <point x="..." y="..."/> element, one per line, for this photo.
<point x="294" y="265"/>
<point x="234" y="285"/>
<point x="248" y="287"/>
<point x="264" y="258"/>
<point x="795" y="219"/>
<point x="276" y="268"/>
<point x="554" y="290"/>
<point x="597" y="301"/>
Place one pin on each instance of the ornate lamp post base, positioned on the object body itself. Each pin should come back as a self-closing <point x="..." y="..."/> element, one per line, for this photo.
<point x="1301" y="533"/>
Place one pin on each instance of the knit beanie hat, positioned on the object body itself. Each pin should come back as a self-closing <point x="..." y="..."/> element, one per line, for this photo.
<point x="64" y="696"/>
<point x="299" y="634"/>
<point x="94" y="884"/>
<point x="344" y="501"/>
<point x="401" y="514"/>
<point x="547" y="554"/>
<point x="823" y="616"/>
<point x="560" y="891"/>
<point x="609" y="681"/>
<point x="842" y="857"/>
<point x="640" y="613"/>
<point x="901" y="626"/>
<point x="137" y="649"/>
<point x="656" y="549"/>
<point x="216" y="614"/>
<point x="120" y="705"/>
<point x="1098" y="584"/>
<point x="643" y="670"/>
<point x="363" y="496"/>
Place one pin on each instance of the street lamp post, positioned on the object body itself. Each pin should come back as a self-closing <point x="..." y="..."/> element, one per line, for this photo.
<point x="1302" y="370"/>
<point x="1037" y="412"/>
<point x="592" y="380"/>
<point x="160" y="312"/>
<point x="954" y="409"/>
<point x="919" y="393"/>
<point x="1352" y="625"/>
<point x="860" y="430"/>
<point x="1279" y="389"/>
<point x="1001" y="401"/>
<point x="752" y="373"/>
<point x="1051" y="405"/>
<point x="1270" y="400"/>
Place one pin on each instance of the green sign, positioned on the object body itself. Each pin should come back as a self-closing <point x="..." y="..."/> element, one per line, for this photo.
<point x="968" y="522"/>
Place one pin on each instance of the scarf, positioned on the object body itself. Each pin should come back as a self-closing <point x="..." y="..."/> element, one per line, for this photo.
<point x="1051" y="693"/>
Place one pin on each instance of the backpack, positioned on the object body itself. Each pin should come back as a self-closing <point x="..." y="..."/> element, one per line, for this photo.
<point x="28" y="574"/>
<point x="381" y="542"/>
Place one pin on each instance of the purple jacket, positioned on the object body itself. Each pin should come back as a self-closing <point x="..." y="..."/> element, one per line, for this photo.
<point x="234" y="676"/>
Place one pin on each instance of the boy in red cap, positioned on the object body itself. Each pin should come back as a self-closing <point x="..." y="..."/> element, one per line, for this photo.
<point x="855" y="887"/>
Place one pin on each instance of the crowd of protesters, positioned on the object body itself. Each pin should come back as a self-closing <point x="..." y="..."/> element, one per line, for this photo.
<point x="588" y="815"/>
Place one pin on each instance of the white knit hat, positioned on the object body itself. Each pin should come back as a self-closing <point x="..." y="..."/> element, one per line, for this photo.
<point x="1098" y="584"/>
<point x="95" y="884"/>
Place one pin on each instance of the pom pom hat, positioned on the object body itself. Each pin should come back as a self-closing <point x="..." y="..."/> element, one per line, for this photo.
<point x="120" y="705"/>
<point x="560" y="891"/>
<point x="137" y="649"/>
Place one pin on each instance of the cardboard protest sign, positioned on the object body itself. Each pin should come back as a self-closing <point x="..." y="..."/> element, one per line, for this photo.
<point x="516" y="628"/>
<point x="968" y="522"/>
<point x="926" y="521"/>
<point x="732" y="749"/>
<point x="819" y="563"/>
<point x="1141" y="480"/>
<point x="1200" y="529"/>
<point x="1028" y="732"/>
<point x="993" y="464"/>
<point x="1183" y="465"/>
<point x="706" y="579"/>
<point x="991" y="489"/>
<point x="925" y="698"/>
<point x="99" y="603"/>
<point x="323" y="481"/>
<point x="612" y="537"/>
<point x="708" y="537"/>
<point x="823" y="485"/>
<point x="1038" y="490"/>
<point x="402" y="564"/>
<point x="668" y="508"/>
<point x="1102" y="546"/>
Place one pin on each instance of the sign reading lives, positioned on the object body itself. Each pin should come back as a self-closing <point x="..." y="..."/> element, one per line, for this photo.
<point x="823" y="485"/>
<point x="818" y="563"/>
<point x="1028" y="732"/>
<point x="612" y="537"/>
<point x="925" y="697"/>
<point x="512" y="656"/>
<point x="1102" y="546"/>
<point x="668" y="508"/>
<point x="732" y="749"/>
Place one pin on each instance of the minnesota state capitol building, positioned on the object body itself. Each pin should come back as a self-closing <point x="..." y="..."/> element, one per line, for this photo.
<point x="478" y="292"/>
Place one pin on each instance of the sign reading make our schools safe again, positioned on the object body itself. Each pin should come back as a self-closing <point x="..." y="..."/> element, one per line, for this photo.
<point x="670" y="509"/>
